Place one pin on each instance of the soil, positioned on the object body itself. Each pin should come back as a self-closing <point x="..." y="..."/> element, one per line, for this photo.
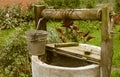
<point x="24" y="3"/>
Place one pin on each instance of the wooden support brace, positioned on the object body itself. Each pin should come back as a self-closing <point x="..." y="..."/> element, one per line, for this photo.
<point x="37" y="11"/>
<point x="107" y="44"/>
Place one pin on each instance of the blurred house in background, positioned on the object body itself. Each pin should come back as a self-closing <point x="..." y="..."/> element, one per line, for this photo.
<point x="24" y="3"/>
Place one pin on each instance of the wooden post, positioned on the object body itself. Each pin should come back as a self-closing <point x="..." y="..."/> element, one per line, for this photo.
<point x="37" y="11"/>
<point x="107" y="44"/>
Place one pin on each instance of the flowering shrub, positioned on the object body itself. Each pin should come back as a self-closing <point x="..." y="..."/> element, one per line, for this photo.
<point x="11" y="17"/>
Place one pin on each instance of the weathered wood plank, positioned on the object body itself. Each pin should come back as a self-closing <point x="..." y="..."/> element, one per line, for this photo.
<point x="84" y="14"/>
<point x="107" y="44"/>
<point x="78" y="51"/>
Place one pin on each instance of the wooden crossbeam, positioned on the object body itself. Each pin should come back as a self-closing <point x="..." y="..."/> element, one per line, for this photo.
<point x="80" y="14"/>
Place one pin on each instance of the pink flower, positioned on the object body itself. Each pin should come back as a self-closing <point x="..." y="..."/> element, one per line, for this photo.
<point x="7" y="15"/>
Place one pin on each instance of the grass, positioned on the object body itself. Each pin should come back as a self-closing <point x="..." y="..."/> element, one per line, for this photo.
<point x="6" y="34"/>
<point x="94" y="28"/>
<point x="116" y="56"/>
<point x="115" y="73"/>
<point x="97" y="40"/>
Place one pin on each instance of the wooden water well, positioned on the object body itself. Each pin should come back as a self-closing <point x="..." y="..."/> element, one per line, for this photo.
<point x="66" y="61"/>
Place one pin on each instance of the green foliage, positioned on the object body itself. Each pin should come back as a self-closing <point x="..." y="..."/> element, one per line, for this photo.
<point x="117" y="5"/>
<point x="52" y="33"/>
<point x="13" y="16"/>
<point x="90" y="3"/>
<point x="116" y="56"/>
<point x="99" y="1"/>
<point x="69" y="3"/>
<point x="72" y="3"/>
<point x="115" y="73"/>
<point x="14" y="57"/>
<point x="88" y="25"/>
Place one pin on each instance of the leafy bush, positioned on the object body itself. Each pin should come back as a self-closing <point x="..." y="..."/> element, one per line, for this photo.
<point x="90" y="3"/>
<point x="69" y="3"/>
<point x="117" y="5"/>
<point x="13" y="16"/>
<point x="14" y="57"/>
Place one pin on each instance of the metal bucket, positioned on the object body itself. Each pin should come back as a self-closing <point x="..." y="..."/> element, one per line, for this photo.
<point x="36" y="42"/>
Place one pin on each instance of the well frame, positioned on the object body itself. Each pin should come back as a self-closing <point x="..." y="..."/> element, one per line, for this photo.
<point x="104" y="15"/>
